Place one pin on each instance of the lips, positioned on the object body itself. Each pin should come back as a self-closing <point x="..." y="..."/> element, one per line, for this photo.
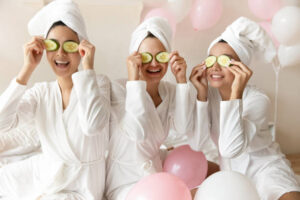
<point x="216" y="76"/>
<point x="61" y="64"/>
<point x="153" y="71"/>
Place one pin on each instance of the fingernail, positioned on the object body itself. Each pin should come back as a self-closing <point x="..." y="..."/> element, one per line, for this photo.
<point x="204" y="67"/>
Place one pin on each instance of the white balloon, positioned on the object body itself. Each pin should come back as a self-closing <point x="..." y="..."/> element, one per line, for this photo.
<point x="286" y="25"/>
<point x="289" y="55"/>
<point x="179" y="8"/>
<point x="227" y="185"/>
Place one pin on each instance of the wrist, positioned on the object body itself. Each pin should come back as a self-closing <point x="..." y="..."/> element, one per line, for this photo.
<point x="236" y="95"/>
<point x="201" y="97"/>
<point x="24" y="75"/>
<point x="181" y="80"/>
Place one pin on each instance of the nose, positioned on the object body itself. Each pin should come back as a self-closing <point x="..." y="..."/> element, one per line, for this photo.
<point x="154" y="62"/>
<point x="216" y="67"/>
<point x="61" y="50"/>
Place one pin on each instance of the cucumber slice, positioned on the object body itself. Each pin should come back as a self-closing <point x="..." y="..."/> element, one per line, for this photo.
<point x="224" y="60"/>
<point x="162" y="57"/>
<point x="210" y="61"/>
<point x="146" y="57"/>
<point x="51" y="45"/>
<point x="70" y="46"/>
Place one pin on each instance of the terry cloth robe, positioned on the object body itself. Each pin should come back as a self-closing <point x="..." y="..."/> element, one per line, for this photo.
<point x="239" y="129"/>
<point x="72" y="165"/>
<point x="138" y="129"/>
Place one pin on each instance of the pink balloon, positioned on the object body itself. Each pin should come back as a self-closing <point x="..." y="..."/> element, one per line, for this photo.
<point x="189" y="165"/>
<point x="164" y="13"/>
<point x="160" y="186"/>
<point x="205" y="13"/>
<point x="264" y="9"/>
<point x="267" y="26"/>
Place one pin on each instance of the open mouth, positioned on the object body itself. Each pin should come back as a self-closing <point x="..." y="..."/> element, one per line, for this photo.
<point x="61" y="64"/>
<point x="216" y="77"/>
<point x="153" y="71"/>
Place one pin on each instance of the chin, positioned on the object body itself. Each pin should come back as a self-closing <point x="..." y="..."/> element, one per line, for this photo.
<point x="215" y="84"/>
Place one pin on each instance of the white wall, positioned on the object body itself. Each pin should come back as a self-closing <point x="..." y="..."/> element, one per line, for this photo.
<point x="109" y="28"/>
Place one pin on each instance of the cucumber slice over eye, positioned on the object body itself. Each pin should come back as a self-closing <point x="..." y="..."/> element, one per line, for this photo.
<point x="146" y="58"/>
<point x="210" y="61"/>
<point x="162" y="57"/>
<point x="70" y="46"/>
<point x="224" y="60"/>
<point x="51" y="45"/>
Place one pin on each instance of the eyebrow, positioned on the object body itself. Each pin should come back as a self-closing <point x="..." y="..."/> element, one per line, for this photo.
<point x="63" y="41"/>
<point x="223" y="54"/>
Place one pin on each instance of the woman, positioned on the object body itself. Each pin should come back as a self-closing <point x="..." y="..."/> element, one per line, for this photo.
<point x="146" y="109"/>
<point x="236" y="115"/>
<point x="71" y="114"/>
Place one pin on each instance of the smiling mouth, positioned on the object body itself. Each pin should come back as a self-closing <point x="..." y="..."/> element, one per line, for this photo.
<point x="61" y="64"/>
<point x="153" y="71"/>
<point x="216" y="77"/>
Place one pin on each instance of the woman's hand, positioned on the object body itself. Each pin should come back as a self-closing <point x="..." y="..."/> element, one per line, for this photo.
<point x="199" y="80"/>
<point x="242" y="74"/>
<point x="33" y="53"/>
<point x="178" y="67"/>
<point x="87" y="52"/>
<point x="134" y="64"/>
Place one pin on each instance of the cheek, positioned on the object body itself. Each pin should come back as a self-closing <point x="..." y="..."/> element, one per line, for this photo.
<point x="50" y="56"/>
<point x="165" y="67"/>
<point x="75" y="59"/>
<point x="229" y="76"/>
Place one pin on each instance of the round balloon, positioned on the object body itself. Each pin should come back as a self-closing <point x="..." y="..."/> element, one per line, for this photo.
<point x="164" y="13"/>
<point x="289" y="55"/>
<point x="190" y="166"/>
<point x="264" y="9"/>
<point x="160" y="186"/>
<point x="205" y="13"/>
<point x="267" y="26"/>
<point x="286" y="25"/>
<point x="179" y="8"/>
<point x="227" y="185"/>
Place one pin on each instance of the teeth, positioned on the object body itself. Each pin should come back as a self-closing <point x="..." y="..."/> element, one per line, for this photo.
<point x="61" y="62"/>
<point x="154" y="70"/>
<point x="216" y="76"/>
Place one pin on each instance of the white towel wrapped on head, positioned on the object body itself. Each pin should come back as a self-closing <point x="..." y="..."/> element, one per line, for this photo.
<point x="158" y="26"/>
<point x="246" y="37"/>
<point x="59" y="10"/>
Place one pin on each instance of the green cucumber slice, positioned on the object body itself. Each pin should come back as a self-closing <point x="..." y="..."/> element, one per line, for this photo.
<point x="146" y="57"/>
<point x="162" y="57"/>
<point x="51" y="45"/>
<point x="224" y="60"/>
<point x="70" y="46"/>
<point x="210" y="61"/>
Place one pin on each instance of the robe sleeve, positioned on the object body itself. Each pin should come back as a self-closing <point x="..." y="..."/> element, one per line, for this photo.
<point x="201" y="133"/>
<point x="93" y="94"/>
<point x="240" y="121"/>
<point x="136" y="122"/>
<point x="17" y="106"/>
<point x="184" y="104"/>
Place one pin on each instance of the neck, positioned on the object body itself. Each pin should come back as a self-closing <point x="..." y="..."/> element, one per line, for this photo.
<point x="152" y="89"/>
<point x="65" y="83"/>
<point x="225" y="93"/>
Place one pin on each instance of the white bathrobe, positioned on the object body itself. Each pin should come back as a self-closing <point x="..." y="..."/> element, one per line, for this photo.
<point x="18" y="144"/>
<point x="138" y="128"/>
<point x="73" y="140"/>
<point x="239" y="129"/>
